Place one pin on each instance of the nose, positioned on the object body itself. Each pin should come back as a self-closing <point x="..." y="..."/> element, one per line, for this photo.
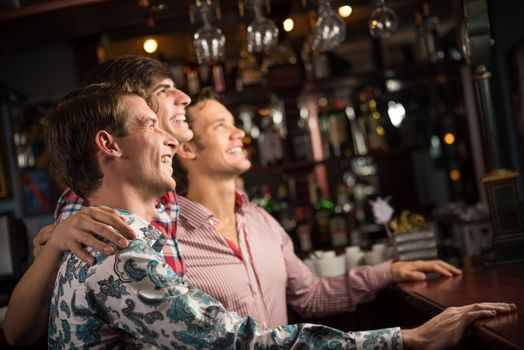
<point x="169" y="140"/>
<point x="181" y="98"/>
<point x="238" y="133"/>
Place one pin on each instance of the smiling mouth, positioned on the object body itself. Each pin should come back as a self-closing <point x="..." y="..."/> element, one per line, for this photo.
<point x="179" y="118"/>
<point x="235" y="150"/>
<point x="166" y="160"/>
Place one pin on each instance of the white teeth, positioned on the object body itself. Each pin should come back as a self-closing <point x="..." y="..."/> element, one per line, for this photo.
<point x="180" y="118"/>
<point x="235" y="150"/>
<point x="166" y="159"/>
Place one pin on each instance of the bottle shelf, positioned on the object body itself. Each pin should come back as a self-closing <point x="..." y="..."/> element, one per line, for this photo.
<point x="302" y="166"/>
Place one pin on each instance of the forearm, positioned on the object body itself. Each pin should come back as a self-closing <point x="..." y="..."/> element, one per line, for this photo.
<point x="319" y="296"/>
<point x="28" y="310"/>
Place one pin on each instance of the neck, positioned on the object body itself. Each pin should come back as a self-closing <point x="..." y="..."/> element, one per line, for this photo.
<point x="120" y="195"/>
<point x="216" y="195"/>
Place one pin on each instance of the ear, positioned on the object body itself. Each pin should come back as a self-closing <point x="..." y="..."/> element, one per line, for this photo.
<point x="106" y="144"/>
<point x="186" y="151"/>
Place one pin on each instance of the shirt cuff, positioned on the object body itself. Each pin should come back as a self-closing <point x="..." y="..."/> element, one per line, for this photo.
<point x="380" y="275"/>
<point x="387" y="338"/>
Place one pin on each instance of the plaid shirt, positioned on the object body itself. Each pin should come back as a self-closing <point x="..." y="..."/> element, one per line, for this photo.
<point x="165" y="221"/>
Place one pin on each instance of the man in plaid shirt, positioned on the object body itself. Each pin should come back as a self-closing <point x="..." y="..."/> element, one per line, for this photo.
<point x="76" y="231"/>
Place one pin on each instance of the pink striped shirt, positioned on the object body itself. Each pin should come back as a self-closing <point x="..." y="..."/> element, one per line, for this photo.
<point x="269" y="274"/>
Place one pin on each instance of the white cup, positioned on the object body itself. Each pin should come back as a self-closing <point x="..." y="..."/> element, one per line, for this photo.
<point x="353" y="249"/>
<point x="354" y="259"/>
<point x="329" y="254"/>
<point x="331" y="266"/>
<point x="374" y="257"/>
<point x="310" y="263"/>
<point x="379" y="247"/>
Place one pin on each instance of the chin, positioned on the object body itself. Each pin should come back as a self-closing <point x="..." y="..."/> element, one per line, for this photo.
<point x="184" y="136"/>
<point x="245" y="166"/>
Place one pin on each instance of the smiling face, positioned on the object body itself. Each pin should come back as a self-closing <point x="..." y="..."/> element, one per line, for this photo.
<point x="147" y="150"/>
<point x="170" y="105"/>
<point x="217" y="143"/>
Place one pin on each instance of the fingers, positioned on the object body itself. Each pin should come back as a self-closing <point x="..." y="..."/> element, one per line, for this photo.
<point x="43" y="235"/>
<point x="90" y="241"/>
<point x="487" y="310"/>
<point x="472" y="316"/>
<point x="414" y="276"/>
<point x="102" y="231"/>
<point x="82" y="254"/>
<point x="499" y="308"/>
<point x="449" y="267"/>
<point x="438" y="266"/>
<point x="41" y="239"/>
<point x="112" y="218"/>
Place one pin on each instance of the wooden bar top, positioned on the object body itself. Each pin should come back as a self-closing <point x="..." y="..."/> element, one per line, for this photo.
<point x="497" y="283"/>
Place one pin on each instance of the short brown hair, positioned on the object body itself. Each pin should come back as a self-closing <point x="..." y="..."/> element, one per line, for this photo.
<point x="132" y="68"/>
<point x="70" y="131"/>
<point x="179" y="171"/>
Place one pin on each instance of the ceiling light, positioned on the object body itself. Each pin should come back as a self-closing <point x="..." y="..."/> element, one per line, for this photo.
<point x="345" y="11"/>
<point x="150" y="45"/>
<point x="454" y="175"/>
<point x="396" y="112"/>
<point x="288" y="24"/>
<point x="449" y="138"/>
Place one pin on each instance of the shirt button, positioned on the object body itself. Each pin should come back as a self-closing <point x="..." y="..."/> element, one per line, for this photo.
<point x="210" y="221"/>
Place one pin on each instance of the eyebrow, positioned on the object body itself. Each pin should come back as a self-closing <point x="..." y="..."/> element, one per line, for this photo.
<point x="161" y="86"/>
<point x="164" y="86"/>
<point x="147" y="120"/>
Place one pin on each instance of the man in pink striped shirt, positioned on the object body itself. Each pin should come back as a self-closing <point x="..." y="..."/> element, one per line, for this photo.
<point x="238" y="253"/>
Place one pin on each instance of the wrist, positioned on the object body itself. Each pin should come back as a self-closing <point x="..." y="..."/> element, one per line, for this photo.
<point x="411" y="339"/>
<point x="51" y="251"/>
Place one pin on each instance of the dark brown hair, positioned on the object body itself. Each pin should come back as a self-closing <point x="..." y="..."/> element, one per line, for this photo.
<point x="179" y="171"/>
<point x="130" y="68"/>
<point x="70" y="131"/>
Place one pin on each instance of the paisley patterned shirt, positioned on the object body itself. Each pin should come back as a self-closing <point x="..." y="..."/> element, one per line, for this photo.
<point x="134" y="300"/>
<point x="167" y="211"/>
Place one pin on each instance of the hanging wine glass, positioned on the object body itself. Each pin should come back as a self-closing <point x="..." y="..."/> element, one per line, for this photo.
<point x="383" y="21"/>
<point x="262" y="33"/>
<point x="209" y="41"/>
<point x="330" y="30"/>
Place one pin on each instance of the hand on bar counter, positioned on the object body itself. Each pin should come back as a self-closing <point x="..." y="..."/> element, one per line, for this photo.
<point x="448" y="328"/>
<point x="75" y="232"/>
<point x="404" y="271"/>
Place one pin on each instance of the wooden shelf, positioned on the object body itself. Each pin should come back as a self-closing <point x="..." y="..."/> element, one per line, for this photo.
<point x="258" y="95"/>
<point x="301" y="166"/>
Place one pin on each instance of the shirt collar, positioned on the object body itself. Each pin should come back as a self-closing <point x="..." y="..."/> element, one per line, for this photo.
<point x="193" y="214"/>
<point x="168" y="198"/>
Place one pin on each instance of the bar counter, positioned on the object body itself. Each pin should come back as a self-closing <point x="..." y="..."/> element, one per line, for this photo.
<point x="504" y="283"/>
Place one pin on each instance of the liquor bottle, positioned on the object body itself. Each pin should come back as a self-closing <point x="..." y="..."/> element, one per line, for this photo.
<point x="373" y="120"/>
<point x="267" y="201"/>
<point x="218" y="78"/>
<point x="193" y="80"/>
<point x="322" y="209"/>
<point x="338" y="133"/>
<point x="270" y="143"/>
<point x="249" y="72"/>
<point x="339" y="221"/>
<point x="285" y="213"/>
<point x="302" y="148"/>
<point x="250" y="139"/>
<point x="303" y="230"/>
<point x="360" y="147"/>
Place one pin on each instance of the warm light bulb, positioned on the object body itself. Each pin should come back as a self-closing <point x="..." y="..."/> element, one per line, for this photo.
<point x="454" y="175"/>
<point x="288" y="24"/>
<point x="150" y="45"/>
<point x="345" y="11"/>
<point x="449" y="138"/>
